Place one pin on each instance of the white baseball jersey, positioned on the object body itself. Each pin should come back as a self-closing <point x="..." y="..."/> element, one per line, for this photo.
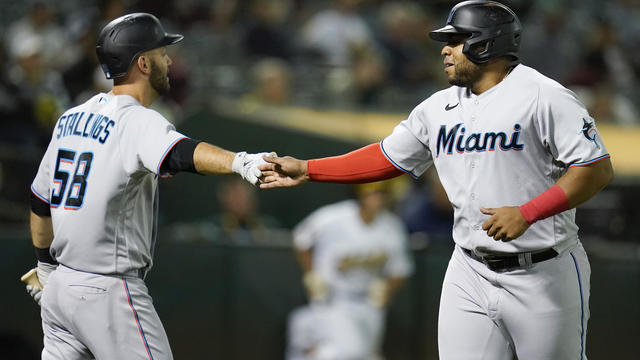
<point x="349" y="253"/>
<point x="500" y="148"/>
<point x="100" y="177"/>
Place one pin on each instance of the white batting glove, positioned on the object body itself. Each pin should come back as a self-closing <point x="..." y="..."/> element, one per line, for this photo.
<point x="35" y="292"/>
<point x="42" y="271"/>
<point x="246" y="165"/>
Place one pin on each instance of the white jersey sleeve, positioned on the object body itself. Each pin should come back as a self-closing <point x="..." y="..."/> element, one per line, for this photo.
<point x="41" y="185"/>
<point x="146" y="138"/>
<point x="403" y="147"/>
<point x="306" y="233"/>
<point x="566" y="128"/>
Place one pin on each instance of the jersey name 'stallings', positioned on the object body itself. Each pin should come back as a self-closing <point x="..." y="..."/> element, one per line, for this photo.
<point x="501" y="148"/>
<point x="100" y="178"/>
<point x="95" y="126"/>
<point x="348" y="253"/>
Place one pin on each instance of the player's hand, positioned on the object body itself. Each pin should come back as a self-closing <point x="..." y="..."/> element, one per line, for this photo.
<point x="316" y="286"/>
<point x="283" y="172"/>
<point x="505" y="224"/>
<point x="35" y="292"/>
<point x="379" y="293"/>
<point x="246" y="165"/>
<point x="43" y="271"/>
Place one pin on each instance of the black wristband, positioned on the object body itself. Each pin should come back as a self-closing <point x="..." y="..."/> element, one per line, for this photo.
<point x="44" y="255"/>
<point x="180" y="157"/>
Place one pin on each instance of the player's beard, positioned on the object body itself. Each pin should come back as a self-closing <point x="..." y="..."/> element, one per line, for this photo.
<point x="159" y="79"/>
<point x="466" y="74"/>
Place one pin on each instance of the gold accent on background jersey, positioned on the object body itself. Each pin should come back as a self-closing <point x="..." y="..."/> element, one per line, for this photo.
<point x="350" y="254"/>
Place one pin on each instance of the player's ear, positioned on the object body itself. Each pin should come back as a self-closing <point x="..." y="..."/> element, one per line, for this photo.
<point x="143" y="63"/>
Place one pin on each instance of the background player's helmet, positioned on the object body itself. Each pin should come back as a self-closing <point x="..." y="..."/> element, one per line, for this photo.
<point x="122" y="40"/>
<point x="491" y="30"/>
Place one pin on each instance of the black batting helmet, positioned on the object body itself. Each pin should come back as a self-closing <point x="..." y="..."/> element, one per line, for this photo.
<point x="122" y="40"/>
<point x="491" y="30"/>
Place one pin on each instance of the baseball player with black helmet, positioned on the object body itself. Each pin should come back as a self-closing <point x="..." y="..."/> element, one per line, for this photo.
<point x="95" y="202"/>
<point x="516" y="152"/>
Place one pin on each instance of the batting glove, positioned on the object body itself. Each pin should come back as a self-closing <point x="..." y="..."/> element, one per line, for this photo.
<point x="43" y="271"/>
<point x="35" y="292"/>
<point x="317" y="288"/>
<point x="246" y="165"/>
<point x="379" y="293"/>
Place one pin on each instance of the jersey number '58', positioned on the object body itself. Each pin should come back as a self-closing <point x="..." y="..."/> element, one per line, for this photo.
<point x="66" y="161"/>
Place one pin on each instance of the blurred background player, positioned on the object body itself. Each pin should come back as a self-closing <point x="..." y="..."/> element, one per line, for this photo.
<point x="426" y="210"/>
<point x="354" y="257"/>
<point x="237" y="220"/>
<point x="271" y="83"/>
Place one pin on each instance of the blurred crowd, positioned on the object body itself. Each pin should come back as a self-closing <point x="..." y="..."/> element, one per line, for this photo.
<point x="371" y="55"/>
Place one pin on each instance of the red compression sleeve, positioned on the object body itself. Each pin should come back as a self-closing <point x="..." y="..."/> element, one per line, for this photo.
<point x="366" y="164"/>
<point x="549" y="203"/>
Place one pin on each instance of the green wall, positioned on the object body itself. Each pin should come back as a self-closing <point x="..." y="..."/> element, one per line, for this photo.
<point x="220" y="301"/>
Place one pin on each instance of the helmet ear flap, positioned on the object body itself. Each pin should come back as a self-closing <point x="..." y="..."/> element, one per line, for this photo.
<point x="478" y="51"/>
<point x="516" y="40"/>
<point x="482" y="48"/>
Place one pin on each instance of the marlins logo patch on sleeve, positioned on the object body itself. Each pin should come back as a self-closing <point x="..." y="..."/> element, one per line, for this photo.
<point x="589" y="131"/>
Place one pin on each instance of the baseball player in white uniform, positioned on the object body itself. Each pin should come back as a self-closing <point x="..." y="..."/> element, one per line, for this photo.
<point x="354" y="257"/>
<point x="95" y="202"/>
<point x="516" y="152"/>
